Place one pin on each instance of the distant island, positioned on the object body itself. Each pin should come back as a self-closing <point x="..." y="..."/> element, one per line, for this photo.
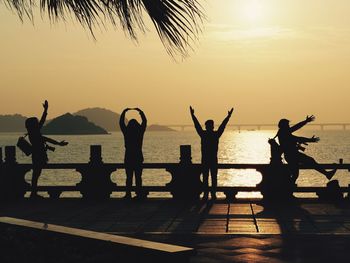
<point x="109" y="120"/>
<point x="156" y="127"/>
<point x="90" y="121"/>
<point x="12" y="123"/>
<point x="69" y="124"/>
<point x="104" y="118"/>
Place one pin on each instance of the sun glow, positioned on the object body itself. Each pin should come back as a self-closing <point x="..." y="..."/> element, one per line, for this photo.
<point x="252" y="11"/>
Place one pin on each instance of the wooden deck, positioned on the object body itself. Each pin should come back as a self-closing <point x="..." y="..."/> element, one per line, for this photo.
<point x="164" y="216"/>
<point x="243" y="231"/>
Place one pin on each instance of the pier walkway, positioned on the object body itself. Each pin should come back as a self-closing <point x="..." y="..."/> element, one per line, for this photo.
<point x="242" y="231"/>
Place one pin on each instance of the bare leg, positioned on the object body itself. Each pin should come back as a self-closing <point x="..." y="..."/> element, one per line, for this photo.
<point x="214" y="180"/>
<point x="205" y="173"/>
<point x="35" y="177"/>
<point x="138" y="178"/>
<point x="129" y="174"/>
<point x="293" y="167"/>
<point x="305" y="159"/>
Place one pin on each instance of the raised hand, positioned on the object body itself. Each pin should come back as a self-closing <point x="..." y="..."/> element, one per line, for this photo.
<point x="314" y="139"/>
<point x="191" y="110"/>
<point x="310" y="118"/>
<point x="63" y="143"/>
<point x="230" y="112"/>
<point x="46" y="105"/>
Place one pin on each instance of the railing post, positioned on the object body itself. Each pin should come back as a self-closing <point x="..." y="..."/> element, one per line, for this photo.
<point x="230" y="194"/>
<point x="185" y="154"/>
<point x="0" y="155"/>
<point x="276" y="184"/>
<point x="13" y="185"/>
<point x="96" y="154"/>
<point x="96" y="181"/>
<point x="10" y="154"/>
<point x="185" y="183"/>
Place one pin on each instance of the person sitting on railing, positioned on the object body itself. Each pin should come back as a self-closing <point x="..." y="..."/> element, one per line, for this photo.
<point x="133" y="139"/>
<point x="209" y="148"/>
<point x="291" y="146"/>
<point x="39" y="147"/>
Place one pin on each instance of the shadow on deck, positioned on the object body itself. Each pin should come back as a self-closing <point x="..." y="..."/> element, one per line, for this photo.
<point x="244" y="231"/>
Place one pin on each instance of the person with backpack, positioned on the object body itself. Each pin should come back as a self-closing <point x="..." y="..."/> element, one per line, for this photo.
<point x="39" y="147"/>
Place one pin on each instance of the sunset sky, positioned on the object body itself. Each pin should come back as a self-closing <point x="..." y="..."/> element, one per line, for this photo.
<point x="269" y="59"/>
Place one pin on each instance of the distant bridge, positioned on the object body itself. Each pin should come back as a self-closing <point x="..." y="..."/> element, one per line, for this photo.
<point x="248" y="126"/>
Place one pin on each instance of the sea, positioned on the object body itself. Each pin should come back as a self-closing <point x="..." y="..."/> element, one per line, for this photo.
<point x="250" y="146"/>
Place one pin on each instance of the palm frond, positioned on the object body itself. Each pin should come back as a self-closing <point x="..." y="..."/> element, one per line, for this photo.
<point x="177" y="22"/>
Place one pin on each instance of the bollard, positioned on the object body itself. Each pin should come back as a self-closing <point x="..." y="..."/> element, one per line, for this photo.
<point x="185" y="181"/>
<point x="13" y="185"/>
<point x="276" y="184"/>
<point x="95" y="154"/>
<point x="96" y="181"/>
<point x="10" y="154"/>
<point x="185" y="154"/>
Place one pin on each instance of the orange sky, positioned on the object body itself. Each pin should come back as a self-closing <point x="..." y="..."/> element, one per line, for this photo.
<point x="269" y="59"/>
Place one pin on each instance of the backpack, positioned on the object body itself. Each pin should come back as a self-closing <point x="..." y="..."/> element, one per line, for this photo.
<point x="24" y="145"/>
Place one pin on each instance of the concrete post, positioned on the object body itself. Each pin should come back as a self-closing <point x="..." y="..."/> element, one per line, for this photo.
<point x="185" y="154"/>
<point x="185" y="183"/>
<point x="13" y="185"/>
<point x="10" y="154"/>
<point x="95" y="154"/>
<point x="96" y="181"/>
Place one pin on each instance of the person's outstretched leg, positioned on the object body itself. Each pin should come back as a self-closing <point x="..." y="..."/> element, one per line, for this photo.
<point x="214" y="180"/>
<point x="293" y="166"/>
<point x="129" y="174"/>
<point x="35" y="177"/>
<point x="309" y="160"/>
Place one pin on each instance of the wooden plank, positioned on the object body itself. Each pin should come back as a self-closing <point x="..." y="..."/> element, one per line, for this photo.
<point x="142" y="245"/>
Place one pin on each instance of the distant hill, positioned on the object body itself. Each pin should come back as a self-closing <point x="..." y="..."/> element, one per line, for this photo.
<point x="95" y="120"/>
<point x="69" y="124"/>
<point x="104" y="118"/>
<point x="109" y="120"/>
<point x="156" y="127"/>
<point x="12" y="123"/>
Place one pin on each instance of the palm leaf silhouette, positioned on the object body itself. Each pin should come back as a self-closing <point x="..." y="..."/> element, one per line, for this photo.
<point x="177" y="21"/>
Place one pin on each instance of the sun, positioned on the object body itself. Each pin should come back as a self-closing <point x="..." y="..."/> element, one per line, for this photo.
<point x="252" y="11"/>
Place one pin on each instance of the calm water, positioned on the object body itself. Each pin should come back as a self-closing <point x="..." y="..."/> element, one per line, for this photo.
<point x="235" y="147"/>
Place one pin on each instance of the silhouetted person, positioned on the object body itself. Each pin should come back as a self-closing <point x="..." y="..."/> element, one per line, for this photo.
<point x="133" y="139"/>
<point x="209" y="147"/>
<point x="39" y="146"/>
<point x="291" y="146"/>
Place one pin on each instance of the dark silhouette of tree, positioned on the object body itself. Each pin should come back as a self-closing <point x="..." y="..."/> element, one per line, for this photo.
<point x="177" y="21"/>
